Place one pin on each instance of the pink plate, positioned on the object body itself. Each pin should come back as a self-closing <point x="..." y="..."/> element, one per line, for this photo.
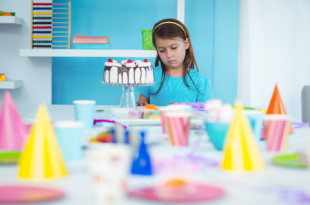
<point x="190" y="193"/>
<point x="26" y="194"/>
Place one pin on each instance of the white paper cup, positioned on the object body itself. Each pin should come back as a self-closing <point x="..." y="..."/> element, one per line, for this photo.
<point x="109" y="166"/>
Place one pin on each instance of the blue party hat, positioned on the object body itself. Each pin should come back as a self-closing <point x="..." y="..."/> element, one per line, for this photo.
<point x="141" y="164"/>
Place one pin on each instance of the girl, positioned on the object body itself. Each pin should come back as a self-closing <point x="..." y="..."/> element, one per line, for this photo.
<point x="176" y="80"/>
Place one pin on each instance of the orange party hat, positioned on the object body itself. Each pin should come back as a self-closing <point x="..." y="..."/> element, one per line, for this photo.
<point x="276" y="105"/>
<point x="241" y="152"/>
<point x="41" y="158"/>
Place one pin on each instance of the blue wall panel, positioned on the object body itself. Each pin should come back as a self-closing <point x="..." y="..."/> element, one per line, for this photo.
<point x="199" y="20"/>
<point x="226" y="44"/>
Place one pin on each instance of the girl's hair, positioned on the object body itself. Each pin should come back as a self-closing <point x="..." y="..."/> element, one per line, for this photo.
<point x="172" y="28"/>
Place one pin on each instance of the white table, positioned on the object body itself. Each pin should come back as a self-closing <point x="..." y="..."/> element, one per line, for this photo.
<point x="264" y="187"/>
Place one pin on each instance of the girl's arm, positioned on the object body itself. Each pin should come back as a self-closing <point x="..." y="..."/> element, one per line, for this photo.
<point x="143" y="100"/>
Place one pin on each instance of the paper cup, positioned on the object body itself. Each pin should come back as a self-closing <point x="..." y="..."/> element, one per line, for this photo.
<point x="109" y="167"/>
<point x="217" y="132"/>
<point x="84" y="112"/>
<point x="171" y="108"/>
<point x="275" y="131"/>
<point x="178" y="127"/>
<point x="256" y="121"/>
<point x="69" y="136"/>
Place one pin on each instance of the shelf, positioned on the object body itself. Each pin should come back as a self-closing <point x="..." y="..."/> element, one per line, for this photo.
<point x="10" y="20"/>
<point x="86" y="53"/>
<point x="11" y="84"/>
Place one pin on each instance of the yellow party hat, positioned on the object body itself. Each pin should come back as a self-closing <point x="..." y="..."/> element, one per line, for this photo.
<point x="241" y="152"/>
<point x="41" y="158"/>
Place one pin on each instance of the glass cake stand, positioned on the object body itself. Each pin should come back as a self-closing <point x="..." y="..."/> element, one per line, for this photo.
<point x="128" y="96"/>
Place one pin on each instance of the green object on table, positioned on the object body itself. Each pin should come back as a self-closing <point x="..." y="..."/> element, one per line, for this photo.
<point x="147" y="43"/>
<point x="9" y="157"/>
<point x="99" y="110"/>
<point x="291" y="160"/>
<point x="246" y="108"/>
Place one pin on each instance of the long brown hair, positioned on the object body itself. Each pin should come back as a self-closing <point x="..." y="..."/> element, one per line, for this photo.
<point x="172" y="28"/>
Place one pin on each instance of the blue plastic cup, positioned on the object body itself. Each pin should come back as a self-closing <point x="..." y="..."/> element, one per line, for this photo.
<point x="84" y="112"/>
<point x="256" y="121"/>
<point x="217" y="133"/>
<point x="70" y="139"/>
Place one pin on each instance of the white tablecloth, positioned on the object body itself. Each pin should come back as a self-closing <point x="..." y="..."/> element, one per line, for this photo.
<point x="274" y="185"/>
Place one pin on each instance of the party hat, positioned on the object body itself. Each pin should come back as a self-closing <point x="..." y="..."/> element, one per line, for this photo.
<point x="141" y="164"/>
<point x="41" y="157"/>
<point x="276" y="105"/>
<point x="240" y="152"/>
<point x="13" y="131"/>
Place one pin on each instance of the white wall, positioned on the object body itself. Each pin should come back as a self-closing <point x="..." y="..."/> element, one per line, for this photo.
<point x="35" y="72"/>
<point x="274" y="48"/>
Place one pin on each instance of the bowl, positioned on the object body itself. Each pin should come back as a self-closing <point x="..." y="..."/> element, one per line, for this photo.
<point x="217" y="133"/>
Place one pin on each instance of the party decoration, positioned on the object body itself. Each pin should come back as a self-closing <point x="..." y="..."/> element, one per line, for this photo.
<point x="2" y="77"/>
<point x="276" y="105"/>
<point x="141" y="164"/>
<point x="241" y="152"/>
<point x="41" y="159"/>
<point x="13" y="131"/>
<point x="276" y="128"/>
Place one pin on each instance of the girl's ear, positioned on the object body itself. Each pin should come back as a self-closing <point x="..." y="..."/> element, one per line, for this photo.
<point x="187" y="43"/>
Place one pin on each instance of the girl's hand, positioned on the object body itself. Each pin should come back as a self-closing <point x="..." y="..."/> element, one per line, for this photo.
<point x="142" y="100"/>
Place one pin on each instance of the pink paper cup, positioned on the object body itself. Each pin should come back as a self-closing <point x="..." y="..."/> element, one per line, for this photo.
<point x="171" y="108"/>
<point x="275" y="132"/>
<point x="178" y="127"/>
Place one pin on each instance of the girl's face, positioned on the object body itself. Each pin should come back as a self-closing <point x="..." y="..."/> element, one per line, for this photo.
<point x="172" y="51"/>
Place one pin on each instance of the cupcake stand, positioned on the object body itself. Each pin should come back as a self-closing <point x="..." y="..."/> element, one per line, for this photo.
<point x="128" y="96"/>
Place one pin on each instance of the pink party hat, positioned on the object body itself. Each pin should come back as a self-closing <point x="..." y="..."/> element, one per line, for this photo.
<point x="13" y="131"/>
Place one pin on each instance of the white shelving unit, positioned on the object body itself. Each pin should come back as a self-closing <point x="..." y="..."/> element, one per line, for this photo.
<point x="99" y="53"/>
<point x="86" y="53"/>
<point x="10" y="20"/>
<point x="11" y="84"/>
